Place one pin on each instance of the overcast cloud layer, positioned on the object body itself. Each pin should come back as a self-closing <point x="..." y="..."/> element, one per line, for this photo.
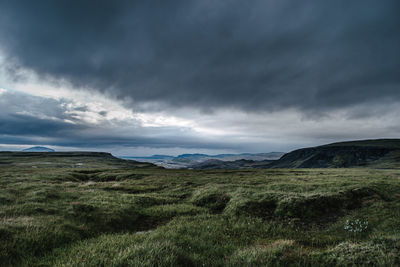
<point x="258" y="54"/>
<point x="224" y="75"/>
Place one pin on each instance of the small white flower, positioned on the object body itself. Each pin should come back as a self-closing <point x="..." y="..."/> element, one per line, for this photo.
<point x="356" y="226"/>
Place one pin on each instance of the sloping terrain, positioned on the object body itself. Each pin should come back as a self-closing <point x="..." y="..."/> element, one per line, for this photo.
<point x="381" y="153"/>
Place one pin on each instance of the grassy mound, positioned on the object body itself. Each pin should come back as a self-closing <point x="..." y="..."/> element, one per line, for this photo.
<point x="251" y="203"/>
<point x="297" y="205"/>
<point x="212" y="197"/>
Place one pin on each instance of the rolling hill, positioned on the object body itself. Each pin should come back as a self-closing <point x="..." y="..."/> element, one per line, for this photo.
<point x="379" y="153"/>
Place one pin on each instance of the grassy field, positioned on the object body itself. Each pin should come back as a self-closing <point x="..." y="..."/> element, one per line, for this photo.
<point x="90" y="210"/>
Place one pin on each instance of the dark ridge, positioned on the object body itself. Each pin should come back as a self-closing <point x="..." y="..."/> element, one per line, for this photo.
<point x="77" y="159"/>
<point x="55" y="154"/>
<point x="378" y="153"/>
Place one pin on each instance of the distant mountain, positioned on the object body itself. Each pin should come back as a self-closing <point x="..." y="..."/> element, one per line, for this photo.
<point x="38" y="149"/>
<point x="154" y="157"/>
<point x="232" y="157"/>
<point x="192" y="160"/>
<point x="192" y="156"/>
<point x="379" y="153"/>
<point x="236" y="164"/>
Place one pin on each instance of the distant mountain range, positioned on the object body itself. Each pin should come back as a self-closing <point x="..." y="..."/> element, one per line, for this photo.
<point x="38" y="149"/>
<point x="191" y="160"/>
<point x="379" y="153"/>
<point x="236" y="164"/>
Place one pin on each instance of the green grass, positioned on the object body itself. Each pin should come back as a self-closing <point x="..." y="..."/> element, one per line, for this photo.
<point x="116" y="213"/>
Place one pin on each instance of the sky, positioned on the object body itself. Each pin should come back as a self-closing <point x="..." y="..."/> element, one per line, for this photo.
<point x="137" y="78"/>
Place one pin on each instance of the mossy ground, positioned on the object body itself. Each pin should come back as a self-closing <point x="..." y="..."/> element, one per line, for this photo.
<point x="126" y="215"/>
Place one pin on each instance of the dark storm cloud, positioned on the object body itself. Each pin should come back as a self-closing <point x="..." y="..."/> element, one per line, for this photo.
<point x="253" y="55"/>
<point x="25" y="117"/>
<point x="15" y="124"/>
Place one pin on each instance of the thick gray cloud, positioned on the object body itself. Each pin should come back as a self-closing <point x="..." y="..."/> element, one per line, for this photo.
<point x="252" y="55"/>
<point x="27" y="119"/>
